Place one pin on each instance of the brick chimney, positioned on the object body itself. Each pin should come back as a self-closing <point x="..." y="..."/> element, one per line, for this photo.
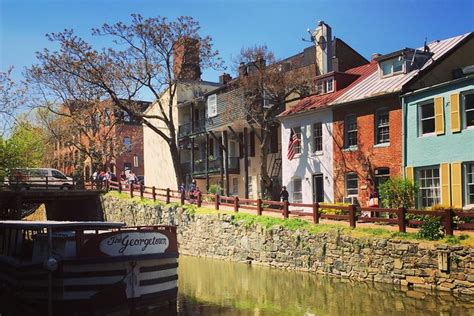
<point x="224" y="78"/>
<point x="243" y="69"/>
<point x="186" y="59"/>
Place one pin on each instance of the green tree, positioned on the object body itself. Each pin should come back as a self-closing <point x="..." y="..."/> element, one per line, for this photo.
<point x="24" y="148"/>
<point x="398" y="192"/>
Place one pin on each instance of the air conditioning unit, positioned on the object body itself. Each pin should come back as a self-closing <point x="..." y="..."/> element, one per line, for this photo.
<point x="351" y="200"/>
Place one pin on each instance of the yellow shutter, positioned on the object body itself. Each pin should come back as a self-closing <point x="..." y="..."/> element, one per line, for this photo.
<point x="456" y="186"/>
<point x="439" y="115"/>
<point x="455" y="115"/>
<point x="409" y="173"/>
<point x="445" y="185"/>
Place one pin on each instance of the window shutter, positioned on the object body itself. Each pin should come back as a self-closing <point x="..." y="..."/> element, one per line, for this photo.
<point x="455" y="115"/>
<point x="409" y="173"/>
<point x="252" y="144"/>
<point x="439" y="115"/>
<point x="445" y="185"/>
<point x="456" y="186"/>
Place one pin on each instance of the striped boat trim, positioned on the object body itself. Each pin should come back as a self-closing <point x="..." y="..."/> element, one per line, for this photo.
<point x="80" y="261"/>
<point x="159" y="280"/>
<point x="159" y="267"/>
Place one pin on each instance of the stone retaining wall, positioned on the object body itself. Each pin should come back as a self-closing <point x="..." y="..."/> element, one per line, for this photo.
<point x="407" y="263"/>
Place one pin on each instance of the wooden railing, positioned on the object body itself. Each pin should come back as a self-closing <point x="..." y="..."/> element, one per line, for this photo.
<point x="312" y="211"/>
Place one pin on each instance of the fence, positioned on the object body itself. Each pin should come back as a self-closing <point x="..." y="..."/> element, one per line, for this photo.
<point x="351" y="213"/>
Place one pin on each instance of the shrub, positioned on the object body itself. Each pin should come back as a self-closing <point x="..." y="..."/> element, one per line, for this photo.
<point x="398" y="192"/>
<point x="431" y="229"/>
<point x="214" y="188"/>
<point x="323" y="210"/>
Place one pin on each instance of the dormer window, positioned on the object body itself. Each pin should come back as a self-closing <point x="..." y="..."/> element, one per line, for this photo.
<point x="325" y="85"/>
<point x="392" y="66"/>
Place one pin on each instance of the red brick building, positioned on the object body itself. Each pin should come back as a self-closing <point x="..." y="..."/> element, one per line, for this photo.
<point x="119" y="138"/>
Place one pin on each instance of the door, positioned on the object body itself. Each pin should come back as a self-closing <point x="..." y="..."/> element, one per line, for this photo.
<point x="318" y="188"/>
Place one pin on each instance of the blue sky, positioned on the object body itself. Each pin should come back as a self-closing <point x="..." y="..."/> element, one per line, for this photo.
<point x="368" y="26"/>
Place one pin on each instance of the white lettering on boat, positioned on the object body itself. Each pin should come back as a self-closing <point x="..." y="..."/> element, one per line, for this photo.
<point x="134" y="243"/>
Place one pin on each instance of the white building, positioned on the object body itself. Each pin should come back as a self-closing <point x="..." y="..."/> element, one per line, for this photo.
<point x="309" y="175"/>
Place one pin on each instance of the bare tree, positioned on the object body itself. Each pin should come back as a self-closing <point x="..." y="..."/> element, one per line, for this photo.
<point x="268" y="85"/>
<point x="140" y="60"/>
<point x="11" y="98"/>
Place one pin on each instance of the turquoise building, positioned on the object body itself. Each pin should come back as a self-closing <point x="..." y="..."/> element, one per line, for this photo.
<point x="438" y="142"/>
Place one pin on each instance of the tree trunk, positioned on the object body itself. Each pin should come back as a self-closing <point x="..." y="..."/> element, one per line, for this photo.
<point x="266" y="182"/>
<point x="175" y="156"/>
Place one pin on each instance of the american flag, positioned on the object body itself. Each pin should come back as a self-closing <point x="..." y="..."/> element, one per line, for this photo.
<point x="292" y="144"/>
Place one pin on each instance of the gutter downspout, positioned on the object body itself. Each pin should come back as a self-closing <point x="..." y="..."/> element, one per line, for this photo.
<point x="404" y="135"/>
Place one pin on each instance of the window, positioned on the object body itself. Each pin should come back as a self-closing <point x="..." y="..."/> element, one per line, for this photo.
<point x="107" y="117"/>
<point x="426" y="115"/>
<point x="250" y="186"/>
<point x="325" y="86"/>
<point x="212" y="105"/>
<point x="351" y="131"/>
<point x="127" y="166"/>
<point x="317" y="137"/>
<point x="382" y="127"/>
<point x="135" y="161"/>
<point x="468" y="109"/>
<point x="126" y="116"/>
<point x="392" y="66"/>
<point x="352" y="184"/>
<point x="267" y="102"/>
<point x="298" y="135"/>
<point x="235" y="186"/>
<point x="297" y="191"/>
<point x="429" y="186"/>
<point x="274" y="140"/>
<point x="127" y="143"/>
<point x="330" y="85"/>
<point x="381" y="175"/>
<point x="58" y="175"/>
<point x="469" y="183"/>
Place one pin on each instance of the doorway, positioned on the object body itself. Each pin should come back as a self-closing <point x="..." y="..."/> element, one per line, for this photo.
<point x="318" y="187"/>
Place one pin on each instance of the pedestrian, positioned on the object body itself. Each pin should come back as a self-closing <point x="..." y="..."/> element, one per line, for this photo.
<point x="123" y="177"/>
<point x="192" y="188"/>
<point x="284" y="194"/>
<point x="132" y="178"/>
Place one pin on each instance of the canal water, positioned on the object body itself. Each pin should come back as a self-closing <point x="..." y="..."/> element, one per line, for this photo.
<point x="213" y="287"/>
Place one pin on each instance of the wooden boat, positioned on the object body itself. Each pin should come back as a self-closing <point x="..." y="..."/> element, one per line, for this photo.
<point x="80" y="266"/>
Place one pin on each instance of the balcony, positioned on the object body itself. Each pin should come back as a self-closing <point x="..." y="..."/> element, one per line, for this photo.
<point x="196" y="127"/>
<point x="214" y="166"/>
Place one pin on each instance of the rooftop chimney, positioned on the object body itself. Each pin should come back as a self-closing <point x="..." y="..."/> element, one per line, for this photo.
<point x="242" y="70"/>
<point x="323" y="38"/>
<point x="186" y="59"/>
<point x="224" y="78"/>
<point x="375" y="56"/>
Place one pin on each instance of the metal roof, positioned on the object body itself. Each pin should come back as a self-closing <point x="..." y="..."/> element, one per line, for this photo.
<point x="374" y="85"/>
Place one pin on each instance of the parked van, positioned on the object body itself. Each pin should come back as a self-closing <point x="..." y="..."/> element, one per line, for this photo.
<point x="30" y="178"/>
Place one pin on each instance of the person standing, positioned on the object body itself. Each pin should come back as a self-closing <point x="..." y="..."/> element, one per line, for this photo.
<point x="284" y="194"/>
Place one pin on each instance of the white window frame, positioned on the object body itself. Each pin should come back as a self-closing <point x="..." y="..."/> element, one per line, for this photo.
<point x="250" y="186"/>
<point x="315" y="149"/>
<point x="346" y="182"/>
<point x="378" y="126"/>
<point x="297" y="196"/>
<point x="421" y="119"/>
<point x="329" y="85"/>
<point x="467" y="183"/>
<point x="436" y="190"/>
<point x="212" y="105"/>
<point x="347" y="131"/>
<point x="464" y="110"/>
<point x="235" y="186"/>
<point x="391" y="62"/>
<point x="299" y="146"/>
<point x="266" y="101"/>
<point x="135" y="161"/>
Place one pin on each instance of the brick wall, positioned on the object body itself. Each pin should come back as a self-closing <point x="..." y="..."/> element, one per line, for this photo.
<point x="367" y="157"/>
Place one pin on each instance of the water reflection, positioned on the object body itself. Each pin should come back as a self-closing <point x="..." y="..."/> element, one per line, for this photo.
<point x="213" y="287"/>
